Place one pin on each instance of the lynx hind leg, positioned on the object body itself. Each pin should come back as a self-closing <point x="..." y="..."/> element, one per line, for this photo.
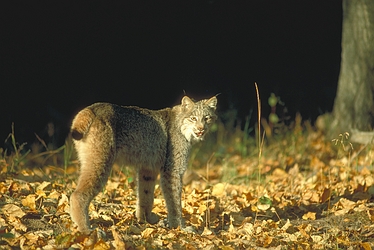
<point x="146" y="181"/>
<point x="94" y="172"/>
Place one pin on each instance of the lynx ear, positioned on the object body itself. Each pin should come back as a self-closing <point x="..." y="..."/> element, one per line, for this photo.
<point x="187" y="103"/>
<point x="212" y="103"/>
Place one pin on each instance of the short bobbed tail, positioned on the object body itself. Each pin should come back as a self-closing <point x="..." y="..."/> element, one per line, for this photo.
<point x="82" y="123"/>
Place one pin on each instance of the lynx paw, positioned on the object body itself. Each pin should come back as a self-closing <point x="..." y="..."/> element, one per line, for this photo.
<point x="175" y="223"/>
<point x="189" y="229"/>
<point x="151" y="219"/>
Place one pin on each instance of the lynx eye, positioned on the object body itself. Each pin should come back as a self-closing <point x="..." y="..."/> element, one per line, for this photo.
<point x="207" y="118"/>
<point x="193" y="118"/>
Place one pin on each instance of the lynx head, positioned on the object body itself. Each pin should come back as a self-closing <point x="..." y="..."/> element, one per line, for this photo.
<point x="197" y="117"/>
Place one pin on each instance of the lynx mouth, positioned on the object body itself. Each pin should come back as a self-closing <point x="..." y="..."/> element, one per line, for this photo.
<point x="199" y="133"/>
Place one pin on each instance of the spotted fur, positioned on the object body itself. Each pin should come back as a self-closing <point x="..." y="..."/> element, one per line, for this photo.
<point x="153" y="141"/>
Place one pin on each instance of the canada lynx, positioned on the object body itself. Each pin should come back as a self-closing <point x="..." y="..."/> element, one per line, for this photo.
<point x="153" y="141"/>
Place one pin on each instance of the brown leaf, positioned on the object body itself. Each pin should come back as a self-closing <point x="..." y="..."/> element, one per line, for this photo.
<point x="365" y="245"/>
<point x="226" y="248"/>
<point x="118" y="240"/>
<point x="371" y="214"/>
<point x="134" y="230"/>
<point x="326" y="195"/>
<point x="196" y="220"/>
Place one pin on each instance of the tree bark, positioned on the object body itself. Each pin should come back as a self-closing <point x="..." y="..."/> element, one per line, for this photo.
<point x="354" y="103"/>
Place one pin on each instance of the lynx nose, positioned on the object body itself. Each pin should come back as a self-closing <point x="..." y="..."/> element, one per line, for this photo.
<point x="200" y="128"/>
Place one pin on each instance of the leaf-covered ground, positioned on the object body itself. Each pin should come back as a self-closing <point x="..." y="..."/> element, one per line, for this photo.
<point x="302" y="192"/>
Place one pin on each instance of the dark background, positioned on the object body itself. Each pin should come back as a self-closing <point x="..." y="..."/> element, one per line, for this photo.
<point x="57" y="58"/>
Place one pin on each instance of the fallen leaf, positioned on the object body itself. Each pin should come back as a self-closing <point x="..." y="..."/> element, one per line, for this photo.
<point x="101" y="245"/>
<point x="118" y="240"/>
<point x="246" y="229"/>
<point x="202" y="209"/>
<point x="32" y="239"/>
<point x="206" y="232"/>
<point x="54" y="195"/>
<point x="40" y="194"/>
<point x="134" y="230"/>
<point x="309" y="216"/>
<point x="147" y="232"/>
<point x="43" y="185"/>
<point x="366" y="245"/>
<point x="219" y="190"/>
<point x="326" y="195"/>
<point x="346" y="204"/>
<point x="371" y="215"/>
<point x="226" y="248"/>
<point x="287" y="225"/>
<point x="13" y="210"/>
<point x="29" y="201"/>
<point x="264" y="203"/>
<point x="316" y="238"/>
<point x="63" y="204"/>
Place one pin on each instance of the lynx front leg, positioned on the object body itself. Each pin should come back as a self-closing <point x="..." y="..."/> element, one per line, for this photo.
<point x="146" y="187"/>
<point x="171" y="184"/>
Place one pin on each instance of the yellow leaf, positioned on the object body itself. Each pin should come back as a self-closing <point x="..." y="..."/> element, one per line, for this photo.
<point x="43" y="185"/>
<point x="101" y="245"/>
<point x="54" y="195"/>
<point x="31" y="238"/>
<point x="365" y="245"/>
<point x="29" y="201"/>
<point x="218" y="190"/>
<point x="347" y="204"/>
<point x="365" y="171"/>
<point x="202" y="209"/>
<point x="147" y="232"/>
<point x="40" y="193"/>
<point x="267" y="240"/>
<point x="316" y="238"/>
<point x="309" y="216"/>
<point x="287" y="225"/>
<point x="206" y="232"/>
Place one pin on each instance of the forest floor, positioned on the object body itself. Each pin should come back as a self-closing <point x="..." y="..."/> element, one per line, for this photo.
<point x="300" y="191"/>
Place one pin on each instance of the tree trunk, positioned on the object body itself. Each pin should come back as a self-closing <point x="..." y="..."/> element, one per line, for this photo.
<point x="354" y="103"/>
